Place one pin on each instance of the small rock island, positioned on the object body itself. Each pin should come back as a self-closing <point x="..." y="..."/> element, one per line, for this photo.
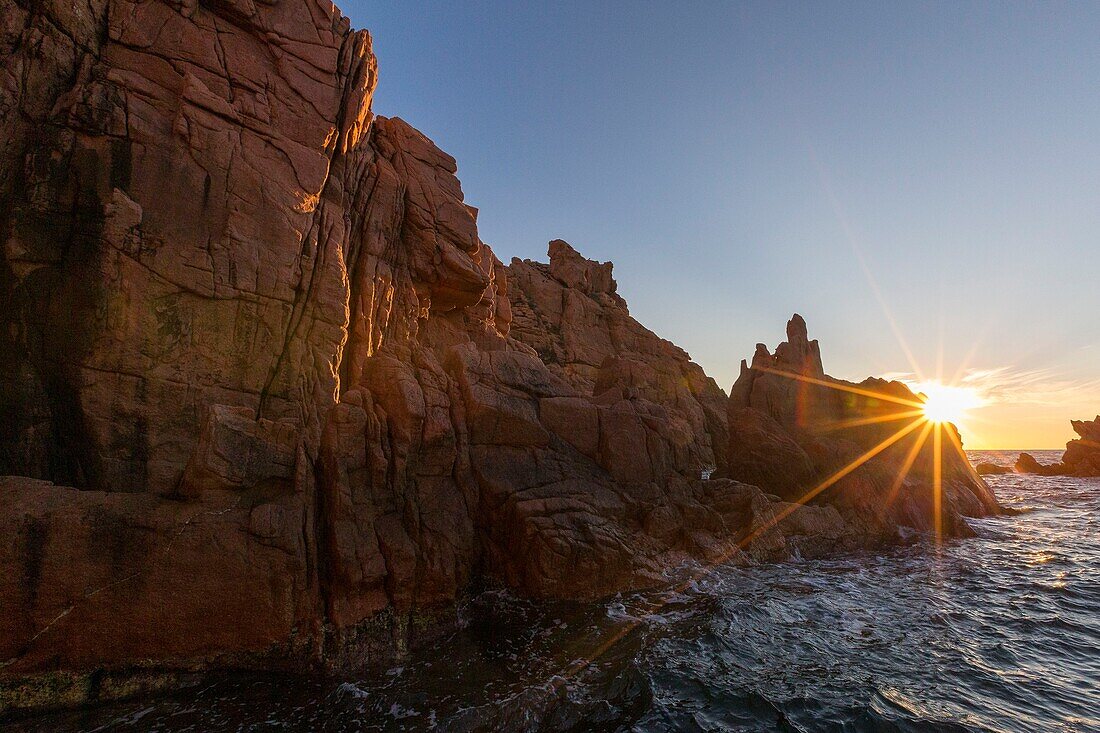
<point x="1081" y="459"/>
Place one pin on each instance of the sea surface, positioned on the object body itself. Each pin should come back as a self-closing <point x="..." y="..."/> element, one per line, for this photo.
<point x="996" y="633"/>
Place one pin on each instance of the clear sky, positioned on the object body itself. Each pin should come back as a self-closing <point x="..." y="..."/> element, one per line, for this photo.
<point x="743" y="161"/>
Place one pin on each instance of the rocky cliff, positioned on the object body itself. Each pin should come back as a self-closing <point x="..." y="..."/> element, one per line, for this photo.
<point x="569" y="312"/>
<point x="268" y="399"/>
<point x="1081" y="459"/>
<point x="862" y="450"/>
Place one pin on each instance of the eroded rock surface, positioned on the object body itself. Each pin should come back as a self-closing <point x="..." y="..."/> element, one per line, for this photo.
<point x="569" y="313"/>
<point x="1081" y="459"/>
<point x="178" y="180"/>
<point x="262" y="405"/>
<point x="269" y="401"/>
<point x="863" y="449"/>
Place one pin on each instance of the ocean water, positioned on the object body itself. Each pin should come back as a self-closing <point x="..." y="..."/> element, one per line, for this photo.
<point x="996" y="633"/>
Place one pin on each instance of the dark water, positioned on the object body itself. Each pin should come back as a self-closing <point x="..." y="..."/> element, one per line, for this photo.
<point x="997" y="633"/>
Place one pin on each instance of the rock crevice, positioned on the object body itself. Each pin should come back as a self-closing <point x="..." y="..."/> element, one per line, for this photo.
<point x="270" y="402"/>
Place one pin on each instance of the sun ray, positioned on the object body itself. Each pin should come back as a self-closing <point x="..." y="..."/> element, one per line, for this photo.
<point x="860" y="421"/>
<point x="842" y="217"/>
<point x="842" y="387"/>
<point x="957" y="444"/>
<point x="793" y="506"/>
<point x="939" y="349"/>
<point x="853" y="465"/>
<point x="582" y="663"/>
<point x="978" y="341"/>
<point x="907" y="465"/>
<point x="937" y="481"/>
<point x="888" y="314"/>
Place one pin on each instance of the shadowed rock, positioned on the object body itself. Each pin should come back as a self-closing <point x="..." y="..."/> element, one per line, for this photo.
<point x="792" y="428"/>
<point x="266" y="401"/>
<point x="269" y="401"/>
<point x="1081" y="458"/>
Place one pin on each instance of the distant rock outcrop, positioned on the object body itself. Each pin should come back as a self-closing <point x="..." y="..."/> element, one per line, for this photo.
<point x="794" y="430"/>
<point x="992" y="469"/>
<point x="269" y="401"/>
<point x="1081" y="459"/>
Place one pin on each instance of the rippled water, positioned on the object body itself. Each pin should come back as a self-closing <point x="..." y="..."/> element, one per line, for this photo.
<point x="996" y="633"/>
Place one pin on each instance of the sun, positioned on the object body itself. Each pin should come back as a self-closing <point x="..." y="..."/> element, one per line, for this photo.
<point x="946" y="403"/>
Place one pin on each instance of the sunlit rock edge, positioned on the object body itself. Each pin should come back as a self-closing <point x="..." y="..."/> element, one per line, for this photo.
<point x="269" y="402"/>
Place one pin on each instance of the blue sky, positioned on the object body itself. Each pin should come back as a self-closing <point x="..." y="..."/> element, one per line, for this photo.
<point x="742" y="161"/>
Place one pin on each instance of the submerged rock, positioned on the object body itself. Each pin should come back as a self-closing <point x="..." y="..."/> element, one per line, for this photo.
<point x="992" y="469"/>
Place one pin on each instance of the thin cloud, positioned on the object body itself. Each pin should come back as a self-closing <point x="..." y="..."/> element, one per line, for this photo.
<point x="1021" y="386"/>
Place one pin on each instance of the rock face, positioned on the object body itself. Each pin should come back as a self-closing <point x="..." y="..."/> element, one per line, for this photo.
<point x="569" y="313"/>
<point x="1081" y="459"/>
<point x="178" y="186"/>
<point x="182" y="190"/>
<point x="269" y="401"/>
<point x="262" y="403"/>
<point x="798" y="433"/>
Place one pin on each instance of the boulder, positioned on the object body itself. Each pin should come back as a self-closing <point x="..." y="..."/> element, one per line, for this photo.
<point x="992" y="469"/>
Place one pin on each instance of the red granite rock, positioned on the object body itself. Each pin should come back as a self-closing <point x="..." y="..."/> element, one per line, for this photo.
<point x="570" y="314"/>
<point x="254" y="341"/>
<point x="792" y="428"/>
<point x="270" y="402"/>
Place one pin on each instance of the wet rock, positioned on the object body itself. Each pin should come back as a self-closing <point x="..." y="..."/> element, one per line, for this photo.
<point x="992" y="469"/>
